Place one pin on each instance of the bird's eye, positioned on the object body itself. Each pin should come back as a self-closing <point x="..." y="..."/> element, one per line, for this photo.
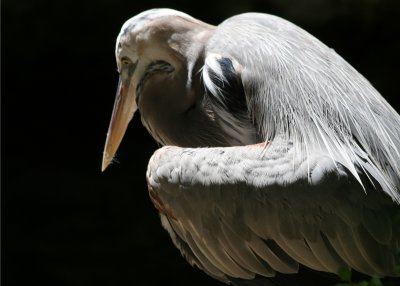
<point x="126" y="62"/>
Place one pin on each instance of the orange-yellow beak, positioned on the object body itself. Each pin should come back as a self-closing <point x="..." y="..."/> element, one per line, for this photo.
<point x="123" y="111"/>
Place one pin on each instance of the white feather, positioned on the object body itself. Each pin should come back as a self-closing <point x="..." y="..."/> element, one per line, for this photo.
<point x="299" y="89"/>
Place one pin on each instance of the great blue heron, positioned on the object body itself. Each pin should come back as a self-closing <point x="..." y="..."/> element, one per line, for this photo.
<point x="283" y="154"/>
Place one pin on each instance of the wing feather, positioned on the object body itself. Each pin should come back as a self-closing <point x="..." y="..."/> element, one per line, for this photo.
<point x="330" y="261"/>
<point x="378" y="224"/>
<point x="353" y="254"/>
<point x="244" y="220"/>
<point x="242" y="253"/>
<point x="207" y="263"/>
<point x="279" y="263"/>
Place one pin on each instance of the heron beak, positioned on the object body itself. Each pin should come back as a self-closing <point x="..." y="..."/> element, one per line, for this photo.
<point x="123" y="111"/>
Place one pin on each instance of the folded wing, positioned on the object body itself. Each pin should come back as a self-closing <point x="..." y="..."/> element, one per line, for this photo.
<point x="239" y="212"/>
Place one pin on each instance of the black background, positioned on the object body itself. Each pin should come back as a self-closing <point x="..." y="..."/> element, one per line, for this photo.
<point x="63" y="221"/>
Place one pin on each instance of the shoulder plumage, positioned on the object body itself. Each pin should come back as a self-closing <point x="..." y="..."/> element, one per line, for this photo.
<point x="299" y="89"/>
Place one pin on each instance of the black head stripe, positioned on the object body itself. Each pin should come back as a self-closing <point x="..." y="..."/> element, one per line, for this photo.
<point x="233" y="99"/>
<point x="152" y="68"/>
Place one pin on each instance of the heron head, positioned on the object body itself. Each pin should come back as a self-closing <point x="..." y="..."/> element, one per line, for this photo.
<point x="155" y="53"/>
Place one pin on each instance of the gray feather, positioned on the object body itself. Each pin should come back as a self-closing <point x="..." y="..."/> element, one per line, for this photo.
<point x="262" y="224"/>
